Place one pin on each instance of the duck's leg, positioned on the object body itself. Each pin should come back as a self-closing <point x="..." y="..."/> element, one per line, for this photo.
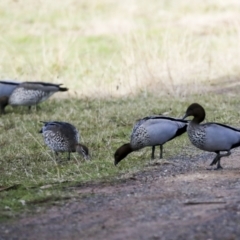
<point x="161" y="150"/>
<point x="153" y="151"/>
<point x="218" y="165"/>
<point x="56" y="153"/>
<point x="220" y="156"/>
<point x="225" y="155"/>
<point x="68" y="155"/>
<point x="215" y="160"/>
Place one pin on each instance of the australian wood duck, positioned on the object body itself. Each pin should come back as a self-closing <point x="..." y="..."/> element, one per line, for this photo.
<point x="63" y="137"/>
<point x="211" y="137"/>
<point x="32" y="93"/>
<point x="151" y="131"/>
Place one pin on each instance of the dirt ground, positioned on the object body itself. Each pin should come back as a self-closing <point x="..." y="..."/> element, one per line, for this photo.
<point x="180" y="199"/>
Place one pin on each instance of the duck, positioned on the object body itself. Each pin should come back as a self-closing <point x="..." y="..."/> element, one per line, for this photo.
<point x="63" y="137"/>
<point x="211" y="136"/>
<point x="151" y="131"/>
<point x="32" y="93"/>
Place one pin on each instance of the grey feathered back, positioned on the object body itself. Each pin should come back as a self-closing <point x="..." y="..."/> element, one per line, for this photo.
<point x="156" y="130"/>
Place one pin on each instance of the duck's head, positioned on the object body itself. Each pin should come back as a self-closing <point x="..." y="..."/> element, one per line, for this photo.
<point x="83" y="150"/>
<point x="197" y="111"/>
<point x="122" y="152"/>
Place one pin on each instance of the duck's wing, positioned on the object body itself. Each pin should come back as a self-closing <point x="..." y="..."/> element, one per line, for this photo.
<point x="47" y="85"/>
<point x="65" y="128"/>
<point x="222" y="125"/>
<point x="181" y="123"/>
<point x="9" y="82"/>
<point x="38" y="87"/>
<point x="7" y="87"/>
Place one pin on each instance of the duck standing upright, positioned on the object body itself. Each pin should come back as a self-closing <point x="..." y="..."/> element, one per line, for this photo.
<point x="211" y="137"/>
<point x="151" y="131"/>
<point x="63" y="137"/>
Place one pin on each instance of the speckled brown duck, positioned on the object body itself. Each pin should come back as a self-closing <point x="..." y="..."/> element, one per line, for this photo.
<point x="211" y="137"/>
<point x="63" y="137"/>
<point x="151" y="131"/>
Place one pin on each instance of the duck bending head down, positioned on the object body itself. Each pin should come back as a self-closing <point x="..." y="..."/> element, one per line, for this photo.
<point x="151" y="131"/>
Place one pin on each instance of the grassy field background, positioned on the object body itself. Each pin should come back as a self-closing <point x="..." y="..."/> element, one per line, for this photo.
<point x="122" y="60"/>
<point x="108" y="47"/>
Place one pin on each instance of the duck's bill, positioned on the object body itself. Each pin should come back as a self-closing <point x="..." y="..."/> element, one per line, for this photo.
<point x="185" y="116"/>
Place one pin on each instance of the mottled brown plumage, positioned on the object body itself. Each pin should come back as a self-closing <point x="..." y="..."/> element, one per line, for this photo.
<point x="63" y="137"/>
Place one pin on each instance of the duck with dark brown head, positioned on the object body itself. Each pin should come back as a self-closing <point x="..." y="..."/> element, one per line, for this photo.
<point x="151" y="131"/>
<point x="211" y="137"/>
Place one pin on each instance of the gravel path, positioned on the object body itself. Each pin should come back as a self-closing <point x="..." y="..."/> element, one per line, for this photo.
<point x="180" y="199"/>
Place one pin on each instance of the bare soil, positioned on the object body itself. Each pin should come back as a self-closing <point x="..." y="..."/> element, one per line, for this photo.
<point x="180" y="199"/>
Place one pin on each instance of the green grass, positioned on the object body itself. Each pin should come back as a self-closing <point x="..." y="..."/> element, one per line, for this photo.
<point x="105" y="124"/>
<point x="121" y="60"/>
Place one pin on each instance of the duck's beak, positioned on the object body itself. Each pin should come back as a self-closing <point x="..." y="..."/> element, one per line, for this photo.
<point x="87" y="157"/>
<point x="116" y="162"/>
<point x="185" y="116"/>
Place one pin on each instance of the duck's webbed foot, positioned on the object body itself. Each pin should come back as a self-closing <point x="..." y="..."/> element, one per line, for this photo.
<point x="215" y="160"/>
<point x="219" y="167"/>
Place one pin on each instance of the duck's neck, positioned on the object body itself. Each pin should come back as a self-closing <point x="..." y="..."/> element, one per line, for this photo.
<point x="195" y="121"/>
<point x="193" y="125"/>
<point x="198" y="119"/>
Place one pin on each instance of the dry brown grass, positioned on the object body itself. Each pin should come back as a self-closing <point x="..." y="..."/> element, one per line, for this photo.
<point x="119" y="47"/>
